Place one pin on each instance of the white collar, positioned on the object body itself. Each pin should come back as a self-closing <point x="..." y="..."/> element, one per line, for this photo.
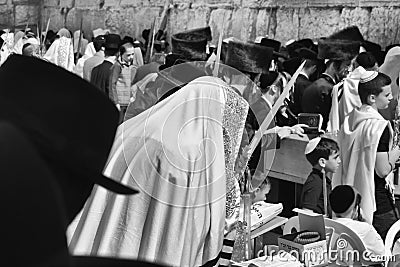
<point x="111" y="59"/>
<point x="304" y="74"/>
<point x="266" y="100"/>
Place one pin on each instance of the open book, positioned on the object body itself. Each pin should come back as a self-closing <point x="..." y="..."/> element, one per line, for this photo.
<point x="262" y="212"/>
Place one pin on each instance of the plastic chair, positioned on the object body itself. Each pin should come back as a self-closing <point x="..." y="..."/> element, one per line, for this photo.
<point x="345" y="246"/>
<point x="389" y="241"/>
<point x="292" y="226"/>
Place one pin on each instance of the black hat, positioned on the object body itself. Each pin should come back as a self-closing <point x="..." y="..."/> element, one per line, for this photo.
<point x="294" y="47"/>
<point x="337" y="49"/>
<point x="267" y="79"/>
<point x="342" y="45"/>
<point x="375" y="49"/>
<point x="191" y="44"/>
<point x="351" y="34"/>
<point x="341" y="198"/>
<point x="292" y="64"/>
<point x="53" y="114"/>
<point x="306" y="53"/>
<point x="113" y="41"/>
<point x="253" y="58"/>
<point x="274" y="44"/>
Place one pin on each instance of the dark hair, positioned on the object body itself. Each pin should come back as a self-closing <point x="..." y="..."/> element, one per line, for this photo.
<point x="26" y="52"/>
<point x="266" y="80"/>
<point x="124" y="47"/>
<point x="373" y="87"/>
<point x="366" y="60"/>
<point x="336" y="63"/>
<point x="99" y="42"/>
<point x="108" y="52"/>
<point x="309" y="63"/>
<point x="324" y="149"/>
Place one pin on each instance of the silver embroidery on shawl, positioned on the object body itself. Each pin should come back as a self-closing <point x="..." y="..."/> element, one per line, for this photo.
<point x="233" y="121"/>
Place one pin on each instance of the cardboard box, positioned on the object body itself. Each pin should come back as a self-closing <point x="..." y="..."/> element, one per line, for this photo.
<point x="312" y="254"/>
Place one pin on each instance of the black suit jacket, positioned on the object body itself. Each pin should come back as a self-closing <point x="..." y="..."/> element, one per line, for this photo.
<point x="317" y="98"/>
<point x="258" y="111"/>
<point x="300" y="86"/>
<point x="101" y="76"/>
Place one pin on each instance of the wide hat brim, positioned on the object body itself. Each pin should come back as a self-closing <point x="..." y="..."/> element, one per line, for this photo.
<point x="53" y="113"/>
<point x="247" y="57"/>
<point x="338" y="49"/>
<point x="191" y="44"/>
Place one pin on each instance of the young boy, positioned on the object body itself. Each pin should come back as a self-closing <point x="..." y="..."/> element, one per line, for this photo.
<point x="323" y="155"/>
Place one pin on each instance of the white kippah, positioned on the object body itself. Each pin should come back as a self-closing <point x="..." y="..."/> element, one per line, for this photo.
<point x="368" y="76"/>
<point x="312" y="144"/>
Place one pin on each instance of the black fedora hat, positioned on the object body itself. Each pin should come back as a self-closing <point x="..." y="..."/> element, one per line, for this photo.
<point x="113" y="41"/>
<point x="248" y="57"/>
<point x="274" y="44"/>
<point x="191" y="44"/>
<point x="53" y="114"/>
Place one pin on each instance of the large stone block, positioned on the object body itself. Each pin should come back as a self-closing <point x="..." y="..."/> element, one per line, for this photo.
<point x="355" y="17"/>
<point x="6" y="17"/>
<point x="182" y="19"/>
<point x="287" y="24"/>
<point x="318" y="22"/>
<point x="3" y="2"/>
<point x="131" y="21"/>
<point x="91" y="19"/>
<point x="384" y="26"/>
<point x="26" y="14"/>
<point x="243" y="24"/>
<point x="88" y="3"/>
<point x="216" y="23"/>
<point x="67" y="3"/>
<point x="57" y="20"/>
<point x="266" y="22"/>
<point x="51" y="3"/>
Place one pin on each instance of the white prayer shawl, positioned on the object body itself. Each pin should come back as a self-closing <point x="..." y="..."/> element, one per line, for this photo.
<point x="90" y="50"/>
<point x="173" y="153"/>
<point x="138" y="56"/>
<point x="78" y="69"/>
<point x="348" y="101"/>
<point x="358" y="140"/>
<point x="391" y="67"/>
<point x="61" y="53"/>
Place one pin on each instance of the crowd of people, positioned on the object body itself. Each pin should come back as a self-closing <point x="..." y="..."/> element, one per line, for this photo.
<point x="169" y="135"/>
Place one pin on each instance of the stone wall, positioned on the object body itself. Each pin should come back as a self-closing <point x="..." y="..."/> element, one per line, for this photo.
<point x="378" y="20"/>
<point x="19" y="13"/>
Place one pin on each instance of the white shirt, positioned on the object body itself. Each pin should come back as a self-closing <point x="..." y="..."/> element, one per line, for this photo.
<point x="367" y="233"/>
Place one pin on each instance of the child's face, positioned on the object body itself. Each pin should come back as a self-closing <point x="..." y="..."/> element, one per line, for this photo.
<point x="332" y="163"/>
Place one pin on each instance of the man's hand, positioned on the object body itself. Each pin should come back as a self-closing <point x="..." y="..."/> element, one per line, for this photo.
<point x="118" y="107"/>
<point x="286" y="131"/>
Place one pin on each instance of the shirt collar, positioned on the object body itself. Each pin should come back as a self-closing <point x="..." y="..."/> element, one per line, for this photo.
<point x="304" y="74"/>
<point x="316" y="171"/>
<point x="110" y="59"/>
<point x="266" y="100"/>
<point x="329" y="76"/>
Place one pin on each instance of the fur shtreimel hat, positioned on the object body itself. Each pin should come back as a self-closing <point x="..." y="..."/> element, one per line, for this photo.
<point x="248" y="57"/>
<point x="342" y="45"/>
<point x="191" y="44"/>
